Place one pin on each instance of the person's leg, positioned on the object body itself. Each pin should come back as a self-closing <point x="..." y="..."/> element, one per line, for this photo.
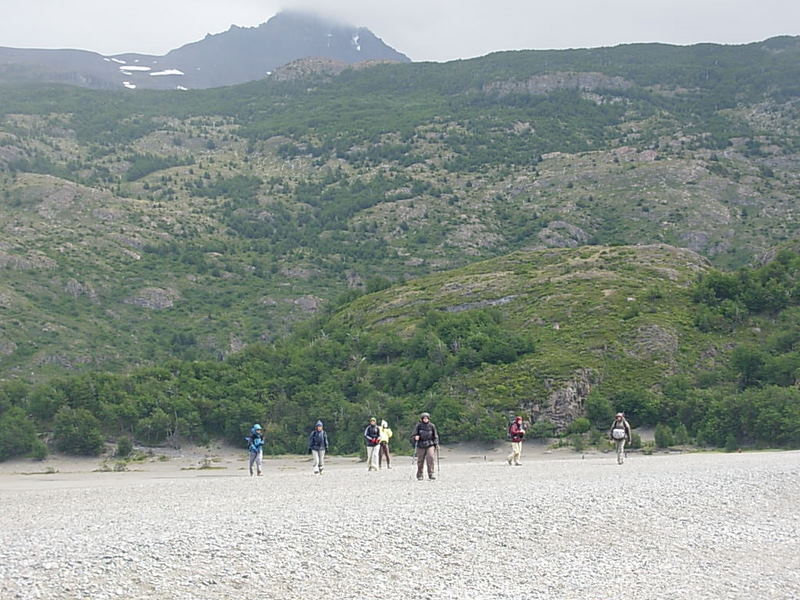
<point x="385" y="453"/>
<point x="252" y="461"/>
<point x="421" y="453"/>
<point x="429" y="453"/>
<point x="620" y="451"/>
<point x="510" y="458"/>
<point x="517" y="452"/>
<point x="321" y="460"/>
<point x="376" y="452"/>
<point x="316" y="457"/>
<point x="259" y="461"/>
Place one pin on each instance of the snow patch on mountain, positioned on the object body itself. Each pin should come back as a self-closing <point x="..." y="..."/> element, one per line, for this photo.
<point x="166" y="72"/>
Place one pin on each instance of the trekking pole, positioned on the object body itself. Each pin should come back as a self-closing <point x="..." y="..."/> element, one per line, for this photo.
<point x="438" y="466"/>
<point x="414" y="460"/>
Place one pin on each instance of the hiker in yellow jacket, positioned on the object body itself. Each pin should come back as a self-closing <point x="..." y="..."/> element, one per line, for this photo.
<point x="385" y="436"/>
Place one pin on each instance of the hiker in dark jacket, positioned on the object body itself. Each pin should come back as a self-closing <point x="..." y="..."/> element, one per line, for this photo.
<point x="255" y="443"/>
<point x="620" y="434"/>
<point x="318" y="445"/>
<point x="372" y="437"/>
<point x="426" y="443"/>
<point x="516" y="432"/>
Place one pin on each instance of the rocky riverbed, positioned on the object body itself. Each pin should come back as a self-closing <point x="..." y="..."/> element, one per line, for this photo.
<point x="562" y="526"/>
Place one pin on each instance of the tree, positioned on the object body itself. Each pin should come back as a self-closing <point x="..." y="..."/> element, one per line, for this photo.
<point x="18" y="435"/>
<point x="598" y="409"/>
<point x="663" y="436"/>
<point x="77" y="431"/>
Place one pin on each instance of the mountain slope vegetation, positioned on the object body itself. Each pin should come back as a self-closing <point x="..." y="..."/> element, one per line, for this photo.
<point x="140" y="228"/>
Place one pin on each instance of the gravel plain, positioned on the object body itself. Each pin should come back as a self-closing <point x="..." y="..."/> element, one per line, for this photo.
<point x="689" y="526"/>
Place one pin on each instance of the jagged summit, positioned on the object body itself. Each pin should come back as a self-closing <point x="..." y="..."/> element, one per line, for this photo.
<point x="237" y="55"/>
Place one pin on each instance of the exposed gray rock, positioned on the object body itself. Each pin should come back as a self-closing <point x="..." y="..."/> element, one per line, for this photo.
<point x="548" y="82"/>
<point x="154" y="298"/>
<point x="560" y="234"/>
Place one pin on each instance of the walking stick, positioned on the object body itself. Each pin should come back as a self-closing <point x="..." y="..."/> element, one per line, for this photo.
<point x="414" y="460"/>
<point x="438" y="466"/>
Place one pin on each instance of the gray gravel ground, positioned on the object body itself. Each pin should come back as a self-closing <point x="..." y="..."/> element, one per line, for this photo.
<point x="692" y="526"/>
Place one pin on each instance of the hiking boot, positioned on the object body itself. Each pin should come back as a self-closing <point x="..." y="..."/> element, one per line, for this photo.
<point x="508" y="460"/>
<point x="517" y="464"/>
<point x="420" y="477"/>
<point x="431" y="477"/>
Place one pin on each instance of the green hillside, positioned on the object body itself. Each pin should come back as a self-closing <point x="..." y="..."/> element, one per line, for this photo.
<point x="557" y="335"/>
<point x="142" y="228"/>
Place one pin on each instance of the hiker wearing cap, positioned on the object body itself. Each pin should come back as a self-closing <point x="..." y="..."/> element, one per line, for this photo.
<point x="386" y="435"/>
<point x="372" y="437"/>
<point x="620" y="434"/>
<point x="318" y="445"/>
<point x="426" y="443"/>
<point x="516" y="432"/>
<point x="255" y="443"/>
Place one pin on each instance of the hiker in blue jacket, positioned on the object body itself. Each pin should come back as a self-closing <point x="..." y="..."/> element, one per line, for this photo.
<point x="318" y="445"/>
<point x="255" y="443"/>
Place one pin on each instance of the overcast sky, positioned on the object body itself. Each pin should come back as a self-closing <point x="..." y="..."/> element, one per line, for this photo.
<point x="437" y="30"/>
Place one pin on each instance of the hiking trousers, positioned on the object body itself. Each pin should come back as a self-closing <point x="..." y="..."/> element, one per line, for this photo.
<point x="383" y="452"/>
<point x="372" y="457"/>
<point x="425" y="456"/>
<point x="516" y="453"/>
<point x="257" y="459"/>
<point x="319" y="460"/>
<point x="620" y="451"/>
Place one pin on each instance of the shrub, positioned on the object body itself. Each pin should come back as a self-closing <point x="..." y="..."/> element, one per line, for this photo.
<point x="578" y="442"/>
<point x="663" y="436"/>
<point x="124" y="446"/>
<point x="598" y="409"/>
<point x="579" y="425"/>
<point x="541" y="429"/>
<point x="17" y="435"/>
<point x="597" y="438"/>
<point x="636" y="441"/>
<point x="731" y="445"/>
<point x="680" y="435"/>
<point x="77" y="431"/>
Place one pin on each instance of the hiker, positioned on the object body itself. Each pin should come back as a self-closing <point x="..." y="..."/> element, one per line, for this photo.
<point x="386" y="435"/>
<point x="516" y="432"/>
<point x="620" y="434"/>
<point x="372" y="436"/>
<point x="318" y="445"/>
<point x="426" y="443"/>
<point x="255" y="443"/>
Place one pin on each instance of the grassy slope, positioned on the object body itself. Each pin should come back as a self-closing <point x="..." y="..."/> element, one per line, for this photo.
<point x="615" y="316"/>
<point x="76" y="255"/>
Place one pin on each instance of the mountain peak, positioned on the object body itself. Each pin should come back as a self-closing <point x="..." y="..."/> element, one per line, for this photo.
<point x="237" y="55"/>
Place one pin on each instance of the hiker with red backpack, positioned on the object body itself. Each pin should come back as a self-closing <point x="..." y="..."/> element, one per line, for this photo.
<point x="516" y="432"/>
<point x="372" y="436"/>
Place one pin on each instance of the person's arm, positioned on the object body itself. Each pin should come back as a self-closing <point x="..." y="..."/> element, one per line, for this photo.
<point x="435" y="435"/>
